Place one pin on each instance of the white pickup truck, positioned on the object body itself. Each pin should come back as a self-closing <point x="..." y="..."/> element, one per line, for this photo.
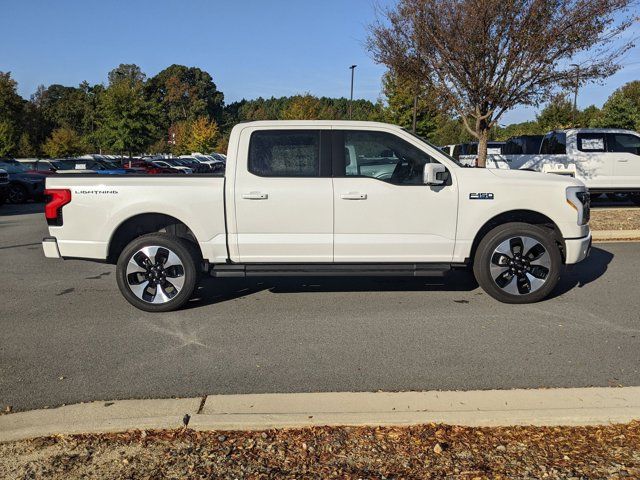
<point x="606" y="160"/>
<point x="322" y="198"/>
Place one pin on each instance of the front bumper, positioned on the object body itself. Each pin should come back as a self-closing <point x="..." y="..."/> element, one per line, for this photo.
<point x="577" y="249"/>
<point x="50" y="247"/>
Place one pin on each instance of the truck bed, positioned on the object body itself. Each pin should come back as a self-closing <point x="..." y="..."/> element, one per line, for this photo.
<point x="101" y="204"/>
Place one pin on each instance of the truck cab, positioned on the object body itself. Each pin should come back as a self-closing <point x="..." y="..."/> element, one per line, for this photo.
<point x="605" y="159"/>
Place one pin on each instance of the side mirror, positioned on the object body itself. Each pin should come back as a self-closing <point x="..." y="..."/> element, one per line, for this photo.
<point x="430" y="174"/>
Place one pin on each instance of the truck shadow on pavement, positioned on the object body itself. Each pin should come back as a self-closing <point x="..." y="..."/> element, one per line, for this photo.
<point x="212" y="291"/>
<point x="585" y="272"/>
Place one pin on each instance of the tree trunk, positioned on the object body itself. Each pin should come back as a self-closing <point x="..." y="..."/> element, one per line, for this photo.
<point x="482" y="148"/>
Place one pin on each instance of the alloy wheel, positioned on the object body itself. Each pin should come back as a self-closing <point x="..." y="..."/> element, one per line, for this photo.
<point x="520" y="265"/>
<point x="155" y="274"/>
<point x="16" y="194"/>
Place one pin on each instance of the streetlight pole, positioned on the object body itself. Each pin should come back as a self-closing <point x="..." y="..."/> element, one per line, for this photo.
<point x="352" y="68"/>
<point x="575" y="94"/>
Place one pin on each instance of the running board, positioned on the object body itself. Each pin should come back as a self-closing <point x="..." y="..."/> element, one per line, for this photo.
<point x="329" y="270"/>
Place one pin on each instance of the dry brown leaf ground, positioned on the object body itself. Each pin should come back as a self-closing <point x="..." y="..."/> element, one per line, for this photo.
<point x="426" y="451"/>
<point x="615" y="219"/>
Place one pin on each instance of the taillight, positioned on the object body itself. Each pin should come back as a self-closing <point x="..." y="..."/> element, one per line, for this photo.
<point x="56" y="199"/>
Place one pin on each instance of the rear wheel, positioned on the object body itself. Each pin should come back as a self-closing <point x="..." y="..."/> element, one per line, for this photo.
<point x="635" y="197"/>
<point x="518" y="263"/>
<point x="17" y="193"/>
<point x="157" y="272"/>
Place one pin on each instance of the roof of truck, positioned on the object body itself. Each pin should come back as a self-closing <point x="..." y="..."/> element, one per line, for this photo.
<point x="593" y="130"/>
<point x="317" y="123"/>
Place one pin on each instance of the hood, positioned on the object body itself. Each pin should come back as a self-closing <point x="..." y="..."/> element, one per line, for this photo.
<point x="529" y="176"/>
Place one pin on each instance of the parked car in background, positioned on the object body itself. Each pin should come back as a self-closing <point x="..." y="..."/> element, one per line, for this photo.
<point x="522" y="144"/>
<point x="4" y="186"/>
<point x="23" y="185"/>
<point x="448" y="149"/>
<point x="209" y="160"/>
<point x="196" y="165"/>
<point x="172" y="164"/>
<point x="219" y="156"/>
<point x="145" y="166"/>
<point x="51" y="167"/>
<point x="101" y="167"/>
<point x="467" y="153"/>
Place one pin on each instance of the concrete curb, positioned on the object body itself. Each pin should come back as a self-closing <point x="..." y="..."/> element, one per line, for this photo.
<point x="570" y="406"/>
<point x="615" y="235"/>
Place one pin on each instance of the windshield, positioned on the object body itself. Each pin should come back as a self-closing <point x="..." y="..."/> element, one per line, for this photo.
<point x="12" y="167"/>
<point x="62" y="164"/>
<point x="433" y="146"/>
<point x="110" y="165"/>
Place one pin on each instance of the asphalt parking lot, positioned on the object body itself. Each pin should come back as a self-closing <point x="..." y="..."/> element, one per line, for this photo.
<point x="67" y="335"/>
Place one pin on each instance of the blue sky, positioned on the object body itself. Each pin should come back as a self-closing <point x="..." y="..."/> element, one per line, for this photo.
<point x="251" y="47"/>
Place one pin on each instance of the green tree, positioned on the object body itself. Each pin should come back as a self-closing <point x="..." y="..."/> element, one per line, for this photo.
<point x="8" y="139"/>
<point x="203" y="135"/>
<point x="127" y="72"/>
<point x="179" y="137"/>
<point x="64" y="142"/>
<point x="185" y="93"/>
<point x="11" y="113"/>
<point x="400" y="95"/>
<point x="303" y="107"/>
<point x="25" y="147"/>
<point x="631" y="91"/>
<point x="589" y="116"/>
<point x="11" y="104"/>
<point x="558" y="113"/>
<point x="619" y="111"/>
<point x="127" y="121"/>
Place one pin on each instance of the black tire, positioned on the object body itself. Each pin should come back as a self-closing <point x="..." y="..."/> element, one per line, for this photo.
<point x="2" y="199"/>
<point x="541" y="273"/>
<point x="156" y="274"/>
<point x="635" y="197"/>
<point x="17" y="193"/>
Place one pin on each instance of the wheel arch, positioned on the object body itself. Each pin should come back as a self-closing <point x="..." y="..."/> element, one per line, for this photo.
<point x="142" y="224"/>
<point x="525" y="216"/>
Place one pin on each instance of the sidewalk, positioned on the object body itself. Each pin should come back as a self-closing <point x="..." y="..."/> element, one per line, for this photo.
<point x="544" y="407"/>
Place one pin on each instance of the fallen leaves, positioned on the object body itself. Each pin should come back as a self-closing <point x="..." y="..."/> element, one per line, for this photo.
<point x="423" y="451"/>
<point x="615" y="219"/>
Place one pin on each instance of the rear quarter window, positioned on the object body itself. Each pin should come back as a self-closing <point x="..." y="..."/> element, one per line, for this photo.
<point x="591" y="142"/>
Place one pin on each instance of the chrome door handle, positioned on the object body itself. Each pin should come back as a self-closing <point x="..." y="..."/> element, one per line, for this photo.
<point x="354" y="196"/>
<point x="255" y="196"/>
<point x="623" y="160"/>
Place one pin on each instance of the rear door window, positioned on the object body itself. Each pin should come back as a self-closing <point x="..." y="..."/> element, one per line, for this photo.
<point x="554" y="144"/>
<point x="285" y="153"/>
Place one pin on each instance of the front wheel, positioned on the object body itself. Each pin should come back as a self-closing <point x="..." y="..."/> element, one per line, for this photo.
<point x="518" y="263"/>
<point x="157" y="272"/>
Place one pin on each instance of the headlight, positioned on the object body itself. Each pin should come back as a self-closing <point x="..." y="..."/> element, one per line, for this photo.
<point x="580" y="200"/>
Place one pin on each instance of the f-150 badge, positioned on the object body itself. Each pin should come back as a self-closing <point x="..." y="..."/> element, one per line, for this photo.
<point x="481" y="196"/>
